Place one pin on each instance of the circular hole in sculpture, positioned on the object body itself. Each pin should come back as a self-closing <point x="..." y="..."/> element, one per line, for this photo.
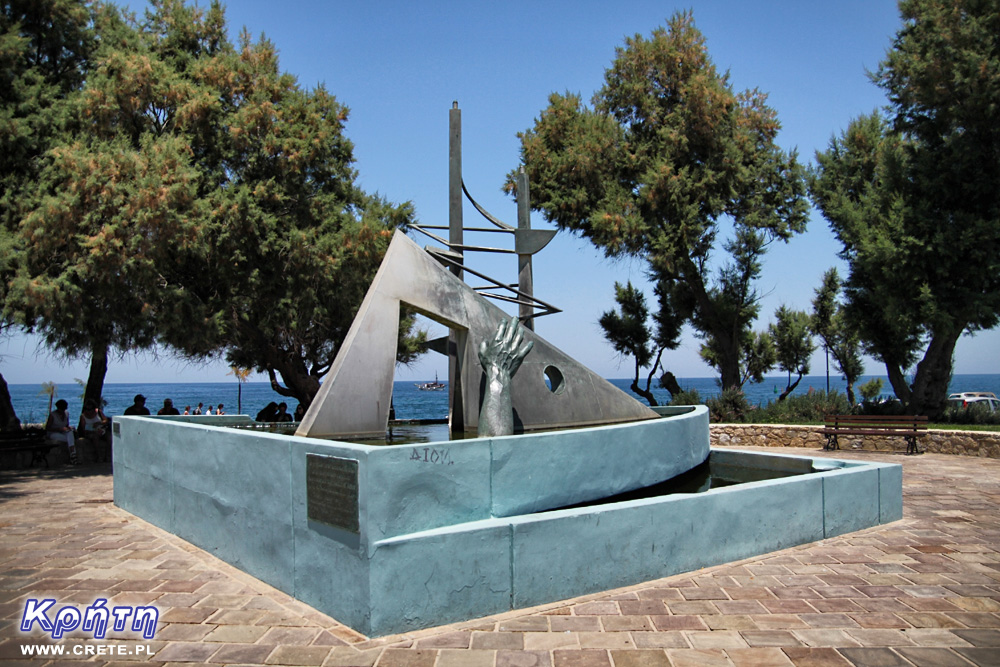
<point x="554" y="380"/>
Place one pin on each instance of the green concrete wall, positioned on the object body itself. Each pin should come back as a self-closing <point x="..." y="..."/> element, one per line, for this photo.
<point x="456" y="530"/>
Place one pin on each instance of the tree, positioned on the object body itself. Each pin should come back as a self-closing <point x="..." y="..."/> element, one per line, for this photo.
<point x="628" y="332"/>
<point x="45" y="47"/>
<point x="942" y="77"/>
<point x="290" y="243"/>
<point x="667" y="157"/>
<point x="45" y="51"/>
<point x="757" y="357"/>
<point x="793" y="345"/>
<point x="857" y="185"/>
<point x="840" y="338"/>
<point x="929" y="266"/>
<point x="242" y="375"/>
<point x="202" y="200"/>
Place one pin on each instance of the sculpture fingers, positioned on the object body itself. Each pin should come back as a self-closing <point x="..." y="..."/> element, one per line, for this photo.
<point x="519" y="356"/>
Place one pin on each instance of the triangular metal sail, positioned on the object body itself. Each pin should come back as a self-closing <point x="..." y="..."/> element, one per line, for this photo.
<point x="549" y="391"/>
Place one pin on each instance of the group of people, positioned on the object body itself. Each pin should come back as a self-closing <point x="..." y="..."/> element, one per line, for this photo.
<point x="139" y="408"/>
<point x="278" y="412"/>
<point x="94" y="427"/>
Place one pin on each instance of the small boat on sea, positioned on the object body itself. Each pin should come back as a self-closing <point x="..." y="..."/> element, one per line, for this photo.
<point x="431" y="386"/>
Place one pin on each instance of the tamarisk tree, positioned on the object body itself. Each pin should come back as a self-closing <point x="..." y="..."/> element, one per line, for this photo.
<point x="666" y="157"/>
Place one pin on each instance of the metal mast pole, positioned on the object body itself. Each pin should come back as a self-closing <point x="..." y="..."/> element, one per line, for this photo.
<point x="456" y="340"/>
<point x="525" y="281"/>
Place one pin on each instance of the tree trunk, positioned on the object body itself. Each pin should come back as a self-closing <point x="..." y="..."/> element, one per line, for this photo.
<point x="850" y="393"/>
<point x="898" y="382"/>
<point x="8" y="418"/>
<point x="930" y="386"/>
<point x="729" y="367"/>
<point x="669" y="382"/>
<point x="790" y="387"/>
<point x="98" y="370"/>
<point x="298" y="383"/>
<point x="645" y="393"/>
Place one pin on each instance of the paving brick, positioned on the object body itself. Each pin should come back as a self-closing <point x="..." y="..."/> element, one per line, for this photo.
<point x="642" y="607"/>
<point x="350" y="657"/>
<point x="446" y="640"/>
<point x="497" y="640"/>
<point x="241" y="654"/>
<point x="731" y="622"/>
<point x="980" y="637"/>
<point x="660" y="640"/>
<point x="932" y="657"/>
<point x="547" y="641"/>
<point x="640" y="658"/>
<point x="724" y="639"/>
<point x="302" y="656"/>
<point x="622" y="623"/>
<point x="925" y="590"/>
<point x="678" y="623"/>
<point x="770" y="638"/>
<point x="874" y="657"/>
<point x="815" y="657"/>
<point x="581" y="658"/>
<point x="983" y="657"/>
<point x="575" y="623"/>
<point x="758" y="657"/>
<point x="186" y="652"/>
<point x="393" y="657"/>
<point x="457" y="658"/>
<point x="699" y="658"/>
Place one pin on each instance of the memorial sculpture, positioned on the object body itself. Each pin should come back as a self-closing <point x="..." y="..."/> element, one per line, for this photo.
<point x="395" y="538"/>
<point x="551" y="390"/>
<point x="501" y="357"/>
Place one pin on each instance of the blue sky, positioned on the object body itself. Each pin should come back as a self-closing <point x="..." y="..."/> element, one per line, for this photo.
<point x="399" y="66"/>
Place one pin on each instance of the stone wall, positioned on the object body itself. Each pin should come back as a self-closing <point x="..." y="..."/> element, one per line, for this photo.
<point x="965" y="443"/>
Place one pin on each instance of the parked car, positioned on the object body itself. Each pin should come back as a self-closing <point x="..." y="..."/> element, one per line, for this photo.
<point x="967" y="398"/>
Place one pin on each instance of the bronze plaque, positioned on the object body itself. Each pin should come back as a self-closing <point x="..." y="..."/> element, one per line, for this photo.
<point x="332" y="491"/>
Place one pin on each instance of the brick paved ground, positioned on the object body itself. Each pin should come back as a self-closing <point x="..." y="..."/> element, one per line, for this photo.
<point x="922" y="591"/>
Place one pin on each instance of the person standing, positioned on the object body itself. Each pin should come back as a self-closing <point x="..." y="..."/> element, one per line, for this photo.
<point x="198" y="410"/>
<point x="168" y="408"/>
<point x="94" y="427"/>
<point x="219" y="410"/>
<point x="57" y="427"/>
<point x="138" y="407"/>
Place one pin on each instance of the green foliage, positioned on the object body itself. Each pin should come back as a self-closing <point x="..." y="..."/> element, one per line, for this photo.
<point x="840" y="338"/>
<point x="914" y="199"/>
<point x="793" y="345"/>
<point x="757" y="355"/>
<point x="198" y="197"/>
<point x="686" y="397"/>
<point x="626" y="328"/>
<point x="629" y="334"/>
<point x="811" y="408"/>
<point x="976" y="414"/>
<point x="729" y="407"/>
<point x="870" y="390"/>
<point x="45" y="51"/>
<point x="666" y="152"/>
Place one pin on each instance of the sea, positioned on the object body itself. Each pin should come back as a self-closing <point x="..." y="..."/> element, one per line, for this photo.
<point x="32" y="404"/>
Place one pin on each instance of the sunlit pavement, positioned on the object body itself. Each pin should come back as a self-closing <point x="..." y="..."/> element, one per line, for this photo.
<point x="921" y="591"/>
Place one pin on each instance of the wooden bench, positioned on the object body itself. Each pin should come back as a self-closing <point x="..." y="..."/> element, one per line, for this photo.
<point x="906" y="426"/>
<point x="32" y="440"/>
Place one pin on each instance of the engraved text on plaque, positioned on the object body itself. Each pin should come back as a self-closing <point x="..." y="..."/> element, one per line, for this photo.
<point x="332" y="491"/>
